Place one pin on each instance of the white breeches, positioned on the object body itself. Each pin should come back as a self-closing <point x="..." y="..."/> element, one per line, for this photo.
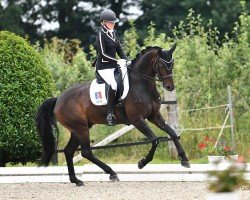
<point x="109" y="77"/>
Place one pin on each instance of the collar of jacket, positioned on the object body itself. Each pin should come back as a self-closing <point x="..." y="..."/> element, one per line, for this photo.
<point x="106" y="31"/>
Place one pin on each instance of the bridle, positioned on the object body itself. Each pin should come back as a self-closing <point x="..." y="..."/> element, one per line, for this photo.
<point x="167" y="64"/>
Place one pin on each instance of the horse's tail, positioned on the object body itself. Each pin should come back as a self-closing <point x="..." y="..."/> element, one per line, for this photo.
<point x="45" y="120"/>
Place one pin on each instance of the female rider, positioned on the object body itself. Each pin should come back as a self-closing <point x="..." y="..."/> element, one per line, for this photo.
<point x="108" y="45"/>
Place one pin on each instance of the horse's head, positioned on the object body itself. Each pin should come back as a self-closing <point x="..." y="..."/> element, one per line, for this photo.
<point x="151" y="62"/>
<point x="163" y="66"/>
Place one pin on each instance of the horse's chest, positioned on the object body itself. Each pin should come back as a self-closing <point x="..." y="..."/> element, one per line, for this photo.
<point x="151" y="109"/>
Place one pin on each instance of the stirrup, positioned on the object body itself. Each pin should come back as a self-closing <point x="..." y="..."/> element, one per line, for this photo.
<point x="111" y="120"/>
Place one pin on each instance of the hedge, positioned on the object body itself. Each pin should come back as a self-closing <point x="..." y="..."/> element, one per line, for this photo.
<point x="25" y="82"/>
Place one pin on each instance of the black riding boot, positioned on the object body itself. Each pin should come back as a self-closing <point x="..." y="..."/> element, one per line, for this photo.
<point x="111" y="121"/>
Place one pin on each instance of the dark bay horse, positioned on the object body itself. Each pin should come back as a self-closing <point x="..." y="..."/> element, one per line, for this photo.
<point x="75" y="111"/>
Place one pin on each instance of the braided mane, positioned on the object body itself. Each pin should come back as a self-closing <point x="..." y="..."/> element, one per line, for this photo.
<point x="143" y="51"/>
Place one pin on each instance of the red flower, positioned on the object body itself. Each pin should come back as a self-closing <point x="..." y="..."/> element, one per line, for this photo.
<point x="227" y="149"/>
<point x="241" y="159"/>
<point x="202" y="146"/>
<point x="207" y="139"/>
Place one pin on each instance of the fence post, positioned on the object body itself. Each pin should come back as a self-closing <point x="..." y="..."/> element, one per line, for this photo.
<point x="172" y="119"/>
<point x="230" y="104"/>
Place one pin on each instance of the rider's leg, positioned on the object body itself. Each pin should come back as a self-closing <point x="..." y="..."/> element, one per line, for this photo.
<point x="108" y="76"/>
<point x="111" y="105"/>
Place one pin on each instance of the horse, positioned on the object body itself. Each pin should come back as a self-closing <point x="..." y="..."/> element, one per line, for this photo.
<point x="75" y="111"/>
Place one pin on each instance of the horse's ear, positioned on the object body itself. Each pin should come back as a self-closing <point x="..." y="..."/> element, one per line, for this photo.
<point x="159" y="51"/>
<point x="173" y="48"/>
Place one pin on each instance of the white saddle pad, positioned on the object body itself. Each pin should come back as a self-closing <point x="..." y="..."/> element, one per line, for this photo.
<point x="97" y="91"/>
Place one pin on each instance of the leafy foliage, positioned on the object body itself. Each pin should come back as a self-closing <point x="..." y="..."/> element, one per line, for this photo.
<point x="229" y="179"/>
<point x="67" y="62"/>
<point x="131" y="46"/>
<point x="167" y="14"/>
<point x="208" y="148"/>
<point x="204" y="70"/>
<point x="25" y="82"/>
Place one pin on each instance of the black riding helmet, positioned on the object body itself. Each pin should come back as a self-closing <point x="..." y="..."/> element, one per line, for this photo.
<point x="108" y="15"/>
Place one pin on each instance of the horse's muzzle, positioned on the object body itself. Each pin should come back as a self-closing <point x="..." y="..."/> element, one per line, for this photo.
<point x="168" y="87"/>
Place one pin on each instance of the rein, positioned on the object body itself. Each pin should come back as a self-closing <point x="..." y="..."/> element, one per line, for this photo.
<point x="146" y="77"/>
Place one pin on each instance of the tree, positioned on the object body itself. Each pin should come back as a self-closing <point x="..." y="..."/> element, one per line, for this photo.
<point x="80" y="20"/>
<point x="10" y="18"/>
<point x="76" y="19"/>
<point x="20" y="17"/>
<point x="167" y="14"/>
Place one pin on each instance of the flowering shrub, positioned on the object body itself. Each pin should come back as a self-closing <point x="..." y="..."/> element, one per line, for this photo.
<point x="207" y="147"/>
<point x="229" y="179"/>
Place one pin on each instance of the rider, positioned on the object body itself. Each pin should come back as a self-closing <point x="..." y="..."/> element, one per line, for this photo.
<point x="108" y="45"/>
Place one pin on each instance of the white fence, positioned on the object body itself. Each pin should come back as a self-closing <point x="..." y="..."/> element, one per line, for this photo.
<point x="126" y="172"/>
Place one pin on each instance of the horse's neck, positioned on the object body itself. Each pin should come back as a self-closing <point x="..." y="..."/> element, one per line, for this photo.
<point x="142" y="79"/>
<point x="145" y="65"/>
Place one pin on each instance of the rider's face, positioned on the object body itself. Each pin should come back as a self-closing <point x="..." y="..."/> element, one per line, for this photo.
<point x="110" y="25"/>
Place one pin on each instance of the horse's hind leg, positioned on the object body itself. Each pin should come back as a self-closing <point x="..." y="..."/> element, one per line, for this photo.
<point x="144" y="128"/>
<point x="87" y="153"/>
<point x="69" y="151"/>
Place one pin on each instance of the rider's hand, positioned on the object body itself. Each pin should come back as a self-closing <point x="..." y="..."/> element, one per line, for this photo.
<point x="121" y="62"/>
<point x="128" y="62"/>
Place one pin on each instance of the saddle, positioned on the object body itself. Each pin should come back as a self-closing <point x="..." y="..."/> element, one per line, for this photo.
<point x="98" y="87"/>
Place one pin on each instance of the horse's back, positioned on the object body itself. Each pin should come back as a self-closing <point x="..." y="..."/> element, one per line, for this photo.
<point x="75" y="90"/>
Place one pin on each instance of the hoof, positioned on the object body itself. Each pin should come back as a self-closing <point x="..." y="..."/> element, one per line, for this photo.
<point x="185" y="164"/>
<point x="141" y="164"/>
<point x="114" y="178"/>
<point x="77" y="182"/>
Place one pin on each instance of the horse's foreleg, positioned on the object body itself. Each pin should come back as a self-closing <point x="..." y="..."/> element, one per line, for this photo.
<point x="144" y="128"/>
<point x="160" y="122"/>
<point x="69" y="151"/>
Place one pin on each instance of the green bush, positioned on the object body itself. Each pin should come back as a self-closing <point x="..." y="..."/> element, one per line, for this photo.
<point x="24" y="83"/>
<point x="130" y="44"/>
